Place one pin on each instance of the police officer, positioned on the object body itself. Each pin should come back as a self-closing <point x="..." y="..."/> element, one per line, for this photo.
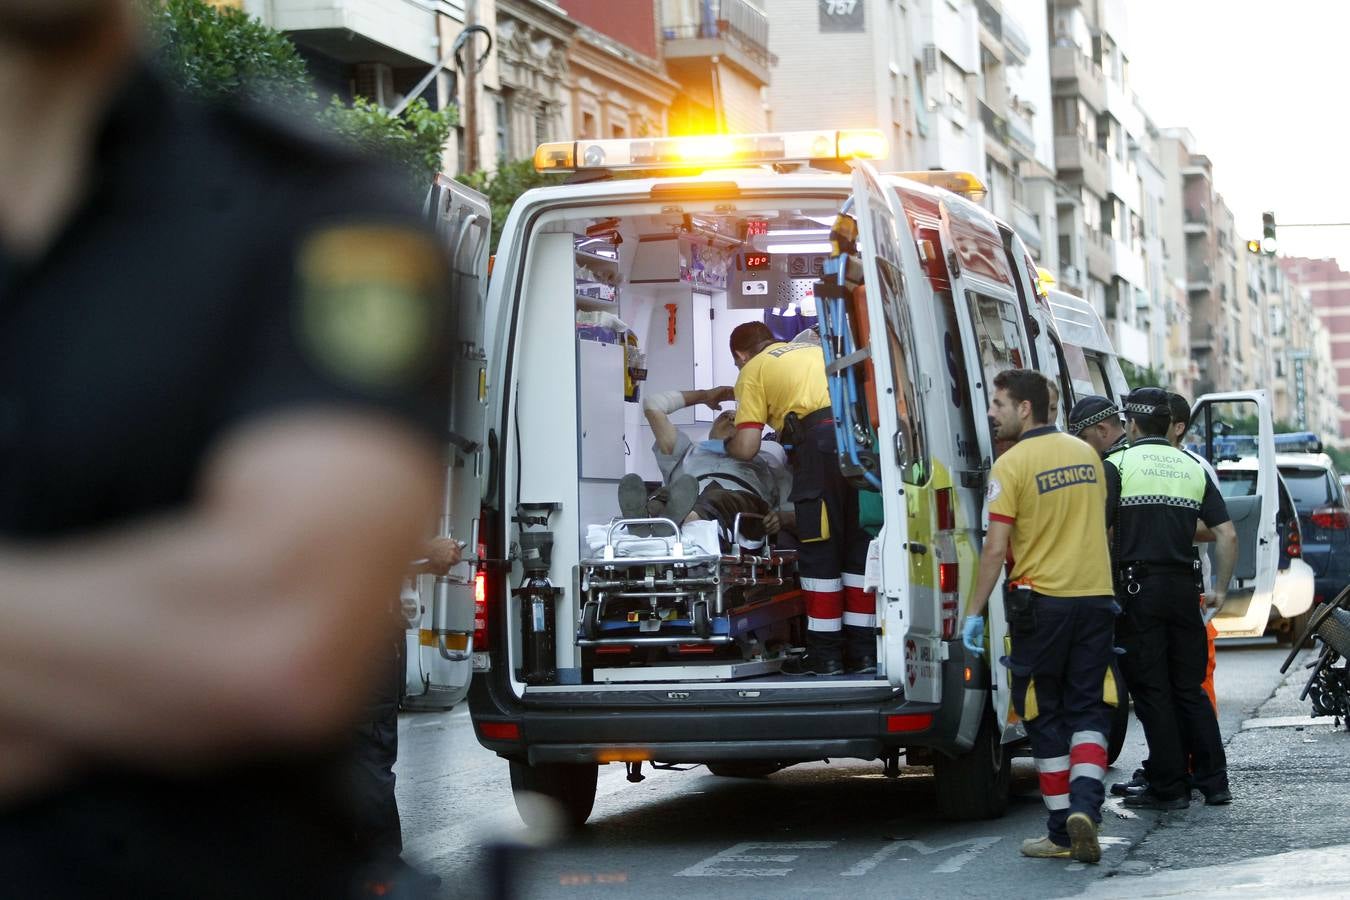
<point x="1164" y="493"/>
<point x="1045" y="500"/>
<point x="784" y="386"/>
<point x="1096" y="420"/>
<point x="220" y="405"/>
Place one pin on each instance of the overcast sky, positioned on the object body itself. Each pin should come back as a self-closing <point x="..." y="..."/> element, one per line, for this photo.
<point x="1265" y="88"/>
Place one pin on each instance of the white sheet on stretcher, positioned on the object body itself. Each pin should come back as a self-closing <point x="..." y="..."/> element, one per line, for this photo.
<point x="700" y="539"/>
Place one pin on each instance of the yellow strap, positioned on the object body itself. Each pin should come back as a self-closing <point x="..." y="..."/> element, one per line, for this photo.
<point x="1030" y="709"/>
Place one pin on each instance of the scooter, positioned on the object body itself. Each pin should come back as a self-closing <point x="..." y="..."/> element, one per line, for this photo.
<point x="1329" y="683"/>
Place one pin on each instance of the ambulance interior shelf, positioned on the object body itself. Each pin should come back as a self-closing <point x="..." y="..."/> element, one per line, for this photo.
<point x="596" y="275"/>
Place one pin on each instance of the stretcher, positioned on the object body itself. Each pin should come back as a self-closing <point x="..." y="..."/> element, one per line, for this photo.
<point x="681" y="595"/>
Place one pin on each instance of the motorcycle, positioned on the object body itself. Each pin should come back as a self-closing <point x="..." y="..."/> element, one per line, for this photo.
<point x="1329" y="683"/>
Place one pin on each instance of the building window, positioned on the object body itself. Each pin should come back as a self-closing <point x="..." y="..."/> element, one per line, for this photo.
<point x="502" y="109"/>
<point x="541" y="124"/>
<point x="588" y="125"/>
<point x="617" y="131"/>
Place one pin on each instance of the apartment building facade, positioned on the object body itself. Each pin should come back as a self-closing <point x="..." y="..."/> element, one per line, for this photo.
<point x="718" y="52"/>
<point x="1329" y="287"/>
<point x="1100" y="137"/>
<point x="944" y="80"/>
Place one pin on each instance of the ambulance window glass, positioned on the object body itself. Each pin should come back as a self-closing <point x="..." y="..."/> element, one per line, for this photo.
<point x="996" y="332"/>
<point x="1101" y="385"/>
<point x="912" y="452"/>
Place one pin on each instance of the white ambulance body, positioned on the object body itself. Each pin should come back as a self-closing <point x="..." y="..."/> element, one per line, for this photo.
<point x="585" y="651"/>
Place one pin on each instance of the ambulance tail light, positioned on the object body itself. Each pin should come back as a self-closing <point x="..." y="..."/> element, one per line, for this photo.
<point x="480" y="607"/>
<point x="948" y="570"/>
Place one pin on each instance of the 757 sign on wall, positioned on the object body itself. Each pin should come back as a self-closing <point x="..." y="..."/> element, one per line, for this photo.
<point x="841" y="15"/>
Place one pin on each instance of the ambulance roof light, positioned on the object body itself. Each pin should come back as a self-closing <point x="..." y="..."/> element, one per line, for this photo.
<point x="710" y="151"/>
<point x="964" y="183"/>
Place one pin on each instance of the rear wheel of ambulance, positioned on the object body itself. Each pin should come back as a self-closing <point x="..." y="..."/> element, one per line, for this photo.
<point x="554" y="796"/>
<point x="975" y="784"/>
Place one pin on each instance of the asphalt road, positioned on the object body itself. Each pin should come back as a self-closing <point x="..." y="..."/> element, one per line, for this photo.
<point x="842" y="828"/>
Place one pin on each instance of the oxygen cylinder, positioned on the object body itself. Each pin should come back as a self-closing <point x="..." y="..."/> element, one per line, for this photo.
<point x="538" y="657"/>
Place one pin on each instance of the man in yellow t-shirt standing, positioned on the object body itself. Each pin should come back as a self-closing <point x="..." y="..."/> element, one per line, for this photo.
<point x="1045" y="497"/>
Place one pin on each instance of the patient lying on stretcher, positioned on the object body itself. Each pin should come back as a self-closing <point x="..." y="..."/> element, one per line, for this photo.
<point x="701" y="482"/>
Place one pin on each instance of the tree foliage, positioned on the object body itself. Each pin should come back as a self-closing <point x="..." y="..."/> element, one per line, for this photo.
<point x="504" y="186"/>
<point x="1138" y="376"/>
<point x="219" y="52"/>
<point x="215" y="52"/>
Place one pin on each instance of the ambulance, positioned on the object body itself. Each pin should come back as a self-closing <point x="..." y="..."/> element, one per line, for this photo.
<point x="596" y="639"/>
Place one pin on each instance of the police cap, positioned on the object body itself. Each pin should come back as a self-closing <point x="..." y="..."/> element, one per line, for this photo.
<point x="1149" y="402"/>
<point x="1089" y="411"/>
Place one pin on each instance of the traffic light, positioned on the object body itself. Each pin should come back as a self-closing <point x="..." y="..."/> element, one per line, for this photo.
<point x="1268" y="244"/>
<point x="1253" y="246"/>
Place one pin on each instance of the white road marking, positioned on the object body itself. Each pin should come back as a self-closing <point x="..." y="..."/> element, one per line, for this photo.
<point x="872" y="861"/>
<point x="742" y="853"/>
<point x="976" y="847"/>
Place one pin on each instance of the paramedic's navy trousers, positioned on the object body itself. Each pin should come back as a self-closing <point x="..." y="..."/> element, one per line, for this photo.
<point x="1059" y="663"/>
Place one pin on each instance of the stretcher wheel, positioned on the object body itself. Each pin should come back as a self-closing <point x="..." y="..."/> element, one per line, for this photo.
<point x="590" y="620"/>
<point x="698" y="615"/>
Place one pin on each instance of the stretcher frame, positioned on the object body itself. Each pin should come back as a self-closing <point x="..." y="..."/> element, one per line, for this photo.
<point x="699" y="583"/>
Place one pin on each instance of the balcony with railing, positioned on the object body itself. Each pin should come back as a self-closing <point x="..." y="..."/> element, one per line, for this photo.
<point x="729" y="29"/>
<point x="1100" y="264"/>
<point x="1015" y="41"/>
<point x="1020" y="134"/>
<point x="1074" y="152"/>
<point x="1199" y="277"/>
<point x="995" y="126"/>
<point x="393" y="32"/>
<point x="1073" y="71"/>
<point x="1195" y="220"/>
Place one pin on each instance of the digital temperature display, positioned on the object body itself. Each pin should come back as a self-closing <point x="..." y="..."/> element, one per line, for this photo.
<point x="755" y="262"/>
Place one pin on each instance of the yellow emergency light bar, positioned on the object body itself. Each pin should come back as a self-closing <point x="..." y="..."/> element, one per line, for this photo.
<point x="709" y="151"/>
<point x="963" y="183"/>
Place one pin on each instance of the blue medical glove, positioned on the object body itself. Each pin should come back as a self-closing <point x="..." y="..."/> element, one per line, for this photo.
<point x="972" y="634"/>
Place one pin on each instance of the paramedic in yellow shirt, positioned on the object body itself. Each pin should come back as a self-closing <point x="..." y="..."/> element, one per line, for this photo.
<point x="1045" y="500"/>
<point x="783" y="385"/>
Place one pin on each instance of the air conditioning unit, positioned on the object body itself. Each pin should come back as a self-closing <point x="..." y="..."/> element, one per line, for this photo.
<point x="375" y="81"/>
<point x="930" y="59"/>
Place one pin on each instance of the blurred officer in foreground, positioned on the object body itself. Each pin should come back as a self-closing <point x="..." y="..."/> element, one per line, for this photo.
<point x="1164" y="493"/>
<point x="1045" y="501"/>
<point x="219" y="398"/>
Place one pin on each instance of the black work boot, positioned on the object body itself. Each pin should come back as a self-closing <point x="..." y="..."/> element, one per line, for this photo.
<point x="860" y="645"/>
<point x="1137" y="784"/>
<point x="824" y="655"/>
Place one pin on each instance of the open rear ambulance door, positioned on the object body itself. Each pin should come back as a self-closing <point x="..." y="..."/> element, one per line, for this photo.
<point x="440" y="647"/>
<point x="1225" y="429"/>
<point x="912" y="657"/>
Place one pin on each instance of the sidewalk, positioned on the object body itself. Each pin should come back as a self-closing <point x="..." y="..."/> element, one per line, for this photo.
<point x="1285" y="834"/>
